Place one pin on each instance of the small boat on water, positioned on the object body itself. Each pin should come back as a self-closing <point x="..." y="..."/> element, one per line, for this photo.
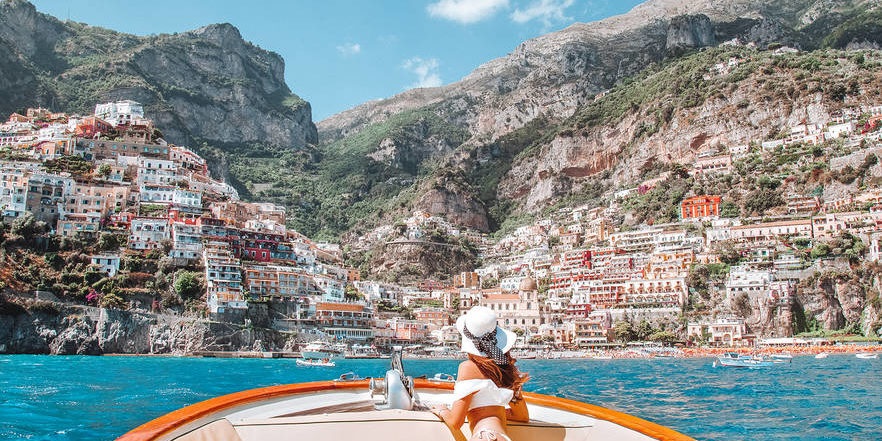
<point x="319" y="350"/>
<point x="867" y="355"/>
<point x="781" y="358"/>
<point x="325" y="362"/>
<point x="733" y="359"/>
<point x="821" y="355"/>
<point x="392" y="408"/>
<point x="364" y="351"/>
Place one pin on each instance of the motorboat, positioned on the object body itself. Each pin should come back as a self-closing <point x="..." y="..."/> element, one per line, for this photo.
<point x="319" y="350"/>
<point x="364" y="351"/>
<point x="821" y="355"/>
<point x="781" y="358"/>
<point x="867" y="355"/>
<point x="324" y="362"/>
<point x="733" y="359"/>
<point x="392" y="408"/>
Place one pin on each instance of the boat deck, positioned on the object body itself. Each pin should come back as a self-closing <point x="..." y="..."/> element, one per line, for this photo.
<point x="338" y="411"/>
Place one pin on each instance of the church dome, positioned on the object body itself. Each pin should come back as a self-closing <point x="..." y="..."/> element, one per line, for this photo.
<point x="528" y="284"/>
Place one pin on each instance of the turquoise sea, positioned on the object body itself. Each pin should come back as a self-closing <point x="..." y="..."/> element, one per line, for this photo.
<point x="100" y="398"/>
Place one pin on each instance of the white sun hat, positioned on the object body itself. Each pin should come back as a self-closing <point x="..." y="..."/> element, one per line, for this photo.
<point x="480" y="321"/>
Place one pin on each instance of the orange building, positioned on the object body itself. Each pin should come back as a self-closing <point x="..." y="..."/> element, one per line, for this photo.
<point x="698" y="207"/>
<point x="437" y="317"/>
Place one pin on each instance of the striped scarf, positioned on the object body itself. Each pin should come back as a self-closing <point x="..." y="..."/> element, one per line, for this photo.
<point x="488" y="345"/>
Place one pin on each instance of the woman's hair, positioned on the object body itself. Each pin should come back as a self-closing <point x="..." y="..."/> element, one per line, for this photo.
<point x="507" y="375"/>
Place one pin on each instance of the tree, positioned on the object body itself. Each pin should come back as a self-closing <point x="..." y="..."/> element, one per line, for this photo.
<point x="352" y="294"/>
<point x="112" y="300"/>
<point x="663" y="336"/>
<point x="623" y="331"/>
<point x="728" y="252"/>
<point x="644" y="330"/>
<point x="108" y="242"/>
<point x="741" y="305"/>
<point x="760" y="201"/>
<point x="188" y="285"/>
<point x="820" y="250"/>
<point x="104" y="170"/>
<point x="729" y="210"/>
<point x="27" y="226"/>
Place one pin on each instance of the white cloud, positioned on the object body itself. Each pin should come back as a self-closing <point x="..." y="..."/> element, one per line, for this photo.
<point x="425" y="70"/>
<point x="349" y="48"/>
<point x="466" y="11"/>
<point x="548" y="11"/>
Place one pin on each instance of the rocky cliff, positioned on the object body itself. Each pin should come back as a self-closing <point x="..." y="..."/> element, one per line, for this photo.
<point x="43" y="327"/>
<point x="562" y="75"/>
<point x="205" y="85"/>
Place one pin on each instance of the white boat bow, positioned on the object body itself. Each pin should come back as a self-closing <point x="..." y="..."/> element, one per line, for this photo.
<point x="394" y="408"/>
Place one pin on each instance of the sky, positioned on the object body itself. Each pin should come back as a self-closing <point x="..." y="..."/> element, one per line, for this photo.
<point x="341" y="53"/>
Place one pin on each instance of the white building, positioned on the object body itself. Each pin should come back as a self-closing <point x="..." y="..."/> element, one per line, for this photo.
<point x="156" y="194"/>
<point x="120" y="112"/>
<point x="186" y="242"/>
<point x="187" y="200"/>
<point x="148" y="233"/>
<point x="106" y="263"/>
<point x="223" y="278"/>
<point x="156" y="171"/>
<point x="744" y="280"/>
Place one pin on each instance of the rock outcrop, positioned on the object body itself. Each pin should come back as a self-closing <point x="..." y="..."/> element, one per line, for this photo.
<point x="204" y="85"/>
<point x="558" y="74"/>
<point x="54" y="328"/>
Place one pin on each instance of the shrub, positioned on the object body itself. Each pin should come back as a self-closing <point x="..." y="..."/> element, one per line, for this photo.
<point x="188" y="285"/>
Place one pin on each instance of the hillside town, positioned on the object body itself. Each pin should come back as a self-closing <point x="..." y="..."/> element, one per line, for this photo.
<point x="566" y="280"/>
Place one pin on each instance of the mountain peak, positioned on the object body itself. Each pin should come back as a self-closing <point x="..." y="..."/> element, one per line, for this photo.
<point x="221" y="32"/>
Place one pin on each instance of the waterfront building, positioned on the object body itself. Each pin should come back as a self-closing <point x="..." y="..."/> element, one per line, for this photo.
<point x="520" y="309"/>
<point x="727" y="332"/>
<point x="593" y="330"/>
<point x="345" y="321"/>
<point x="437" y="317"/>
<point x="266" y="281"/>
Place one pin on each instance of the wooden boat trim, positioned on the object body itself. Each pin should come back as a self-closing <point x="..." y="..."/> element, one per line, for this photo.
<point x="153" y="429"/>
<point x="165" y="424"/>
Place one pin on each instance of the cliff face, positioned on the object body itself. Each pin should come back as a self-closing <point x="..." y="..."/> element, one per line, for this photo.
<point x="204" y="85"/>
<point x="560" y="75"/>
<point x="75" y="330"/>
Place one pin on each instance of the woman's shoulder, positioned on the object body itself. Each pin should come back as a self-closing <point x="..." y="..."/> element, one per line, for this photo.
<point x="468" y="370"/>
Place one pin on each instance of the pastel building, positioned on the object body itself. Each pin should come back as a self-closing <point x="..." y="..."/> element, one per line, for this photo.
<point x="147" y="233"/>
<point x="223" y="278"/>
<point x="700" y="207"/>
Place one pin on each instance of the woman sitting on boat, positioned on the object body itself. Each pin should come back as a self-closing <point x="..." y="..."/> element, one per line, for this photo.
<point x="488" y="384"/>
